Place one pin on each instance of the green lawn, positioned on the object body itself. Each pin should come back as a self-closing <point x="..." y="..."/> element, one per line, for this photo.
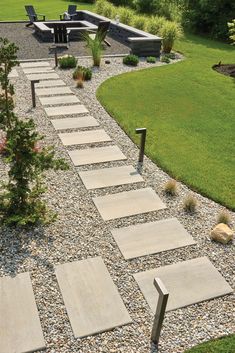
<point x="221" y="345"/>
<point x="12" y="10"/>
<point x="189" y="111"/>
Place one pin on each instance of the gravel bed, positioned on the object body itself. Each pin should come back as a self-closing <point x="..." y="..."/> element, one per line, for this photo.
<point x="32" y="47"/>
<point x="80" y="232"/>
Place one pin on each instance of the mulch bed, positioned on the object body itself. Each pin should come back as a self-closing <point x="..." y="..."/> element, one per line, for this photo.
<point x="225" y="69"/>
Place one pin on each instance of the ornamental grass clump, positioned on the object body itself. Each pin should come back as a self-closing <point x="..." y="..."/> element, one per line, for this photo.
<point x="154" y="24"/>
<point x="190" y="203"/>
<point x="86" y="72"/>
<point x="125" y="15"/>
<point x="139" y="22"/>
<point x="67" y="62"/>
<point x="224" y="217"/>
<point x="171" y="187"/>
<point x="21" y="196"/>
<point x="95" y="46"/>
<point x="170" y="31"/>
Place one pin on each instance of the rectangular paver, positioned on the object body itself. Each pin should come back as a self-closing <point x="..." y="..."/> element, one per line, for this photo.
<point x="92" y="301"/>
<point x="50" y="83"/>
<point x="53" y="91"/>
<point x="101" y="178"/>
<point x="79" y="138"/>
<point x="150" y="238"/>
<point x="57" y="100"/>
<point x="20" y="328"/>
<point x="66" y="110"/>
<point x="45" y="76"/>
<point x="74" y="123"/>
<point x="96" y="155"/>
<point x="188" y="282"/>
<point x="37" y="70"/>
<point x="128" y="203"/>
<point x="35" y="64"/>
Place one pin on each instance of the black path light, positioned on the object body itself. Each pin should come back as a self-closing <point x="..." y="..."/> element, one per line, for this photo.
<point x="33" y="82"/>
<point x="160" y="310"/>
<point x="143" y="132"/>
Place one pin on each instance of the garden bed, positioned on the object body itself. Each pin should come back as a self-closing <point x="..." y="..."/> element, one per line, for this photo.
<point x="225" y="69"/>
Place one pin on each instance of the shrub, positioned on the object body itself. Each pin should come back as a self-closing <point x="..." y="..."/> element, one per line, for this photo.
<point x="170" y="31"/>
<point x="109" y="10"/>
<point x="139" y="22"/>
<point x="171" y="188"/>
<point x="83" y="71"/>
<point x="231" y="26"/>
<point x="224" y="217"/>
<point x="190" y="203"/>
<point x="154" y="25"/>
<point x="147" y="6"/>
<point x="100" y="5"/>
<point x="67" y="62"/>
<point x="131" y="60"/>
<point x="125" y="15"/>
<point x="151" y="59"/>
<point x="95" y="46"/>
<point x="165" y="59"/>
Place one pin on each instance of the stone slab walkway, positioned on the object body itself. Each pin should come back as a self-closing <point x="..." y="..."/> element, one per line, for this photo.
<point x="101" y="178"/>
<point x="84" y="137"/>
<point x="57" y="100"/>
<point x="188" y="282"/>
<point x="66" y="110"/>
<point x="74" y="123"/>
<point x="96" y="155"/>
<point x="128" y="203"/>
<point x="50" y="83"/>
<point x="37" y="70"/>
<point x="35" y="64"/>
<point x="150" y="238"/>
<point x="20" y="328"/>
<point x="92" y="301"/>
<point x="45" y="76"/>
<point x="53" y="92"/>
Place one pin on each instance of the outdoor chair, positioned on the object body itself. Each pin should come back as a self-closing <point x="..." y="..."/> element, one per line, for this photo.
<point x="60" y="34"/>
<point x="71" y="13"/>
<point x="32" y="15"/>
<point x="102" y="31"/>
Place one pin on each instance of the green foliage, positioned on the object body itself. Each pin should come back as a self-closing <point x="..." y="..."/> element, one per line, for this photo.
<point x="151" y="59"/>
<point x="224" y="344"/>
<point x="131" y="60"/>
<point x="231" y="26"/>
<point x="20" y="197"/>
<point x="139" y="22"/>
<point x="95" y="46"/>
<point x="83" y="71"/>
<point x="170" y="31"/>
<point x="109" y="10"/>
<point x="125" y="15"/>
<point x="99" y="6"/>
<point x="145" y="6"/>
<point x="67" y="62"/>
<point x="154" y="24"/>
<point x="165" y="59"/>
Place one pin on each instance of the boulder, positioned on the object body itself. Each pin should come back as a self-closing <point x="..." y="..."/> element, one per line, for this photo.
<point x="222" y="233"/>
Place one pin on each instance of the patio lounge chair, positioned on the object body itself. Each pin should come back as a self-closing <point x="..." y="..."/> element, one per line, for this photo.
<point x="61" y="34"/>
<point x="71" y="12"/>
<point x="102" y="31"/>
<point x="32" y="15"/>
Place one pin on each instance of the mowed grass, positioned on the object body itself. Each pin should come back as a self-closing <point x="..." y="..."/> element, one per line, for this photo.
<point x="13" y="10"/>
<point x="189" y="112"/>
<point x="221" y="345"/>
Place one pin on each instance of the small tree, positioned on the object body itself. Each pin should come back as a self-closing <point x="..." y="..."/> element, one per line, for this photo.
<point x="20" y="199"/>
<point x="231" y="26"/>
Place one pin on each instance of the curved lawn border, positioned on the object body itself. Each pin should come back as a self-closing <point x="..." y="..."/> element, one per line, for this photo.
<point x="188" y="109"/>
<point x="224" y="344"/>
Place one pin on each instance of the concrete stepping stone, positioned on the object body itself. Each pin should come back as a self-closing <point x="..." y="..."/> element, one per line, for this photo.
<point x="74" y="123"/>
<point x="20" y="328"/>
<point x="56" y="100"/>
<point x="43" y="76"/>
<point x="96" y="155"/>
<point x="101" y="178"/>
<point x="66" y="110"/>
<point x="50" y="83"/>
<point x="128" y="203"/>
<point x="79" y="138"/>
<point x="92" y="300"/>
<point x="13" y="74"/>
<point x="35" y="64"/>
<point x="37" y="70"/>
<point x="150" y="238"/>
<point x="188" y="282"/>
<point x="53" y="91"/>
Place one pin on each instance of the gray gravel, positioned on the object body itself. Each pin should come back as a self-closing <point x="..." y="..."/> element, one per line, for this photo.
<point x="80" y="232"/>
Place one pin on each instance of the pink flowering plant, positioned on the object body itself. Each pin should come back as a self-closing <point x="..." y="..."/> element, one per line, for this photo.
<point x="21" y="196"/>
